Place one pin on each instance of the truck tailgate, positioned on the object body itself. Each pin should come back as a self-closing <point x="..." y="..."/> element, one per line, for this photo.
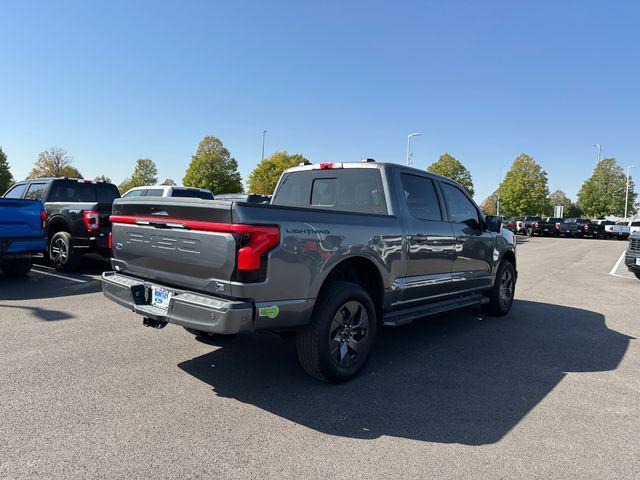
<point x="171" y="241"/>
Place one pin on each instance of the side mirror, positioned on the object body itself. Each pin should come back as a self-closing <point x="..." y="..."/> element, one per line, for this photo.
<point x="494" y="223"/>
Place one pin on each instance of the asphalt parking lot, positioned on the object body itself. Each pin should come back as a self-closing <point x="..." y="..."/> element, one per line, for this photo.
<point x="550" y="391"/>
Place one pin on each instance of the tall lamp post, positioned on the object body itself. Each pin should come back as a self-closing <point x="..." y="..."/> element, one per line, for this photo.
<point x="409" y="154"/>
<point x="599" y="148"/>
<point x="264" y="133"/>
<point x="626" y="195"/>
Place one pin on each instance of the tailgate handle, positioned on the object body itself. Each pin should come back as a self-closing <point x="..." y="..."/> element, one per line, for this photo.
<point x="161" y="224"/>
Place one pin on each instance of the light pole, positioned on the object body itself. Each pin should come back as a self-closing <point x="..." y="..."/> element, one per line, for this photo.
<point x="264" y="133"/>
<point x="626" y="195"/>
<point x="409" y="154"/>
<point x="599" y="147"/>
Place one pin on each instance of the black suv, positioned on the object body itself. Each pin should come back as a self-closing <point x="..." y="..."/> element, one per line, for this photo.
<point x="77" y="216"/>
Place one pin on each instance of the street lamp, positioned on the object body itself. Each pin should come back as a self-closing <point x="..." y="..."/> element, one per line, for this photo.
<point x="626" y="195"/>
<point x="599" y="147"/>
<point x="409" y="154"/>
<point x="264" y="133"/>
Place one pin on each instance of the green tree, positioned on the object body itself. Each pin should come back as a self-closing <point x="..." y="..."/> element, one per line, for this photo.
<point x="524" y="189"/>
<point x="265" y="176"/>
<point x="448" y="166"/>
<point x="213" y="168"/>
<point x="169" y="182"/>
<point x="604" y="192"/>
<point x="489" y="206"/>
<point x="144" y="173"/>
<point x="6" y="179"/>
<point x="559" y="198"/>
<point x="102" y="178"/>
<point x="54" y="162"/>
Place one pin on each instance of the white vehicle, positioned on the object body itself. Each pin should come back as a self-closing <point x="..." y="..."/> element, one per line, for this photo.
<point x="618" y="230"/>
<point x="634" y="226"/>
<point x="168" y="191"/>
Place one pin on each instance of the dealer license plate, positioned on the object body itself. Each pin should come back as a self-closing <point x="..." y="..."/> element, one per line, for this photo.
<point x="160" y="298"/>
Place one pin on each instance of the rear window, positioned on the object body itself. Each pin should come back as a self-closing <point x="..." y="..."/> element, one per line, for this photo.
<point x="635" y="224"/>
<point x="107" y="193"/>
<point x="356" y="190"/>
<point x="72" y="191"/>
<point x="154" y="192"/>
<point x="191" y="193"/>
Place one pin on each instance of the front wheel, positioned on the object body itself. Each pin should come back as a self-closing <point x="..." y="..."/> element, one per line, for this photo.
<point x="337" y="343"/>
<point x="16" y="268"/>
<point x="503" y="291"/>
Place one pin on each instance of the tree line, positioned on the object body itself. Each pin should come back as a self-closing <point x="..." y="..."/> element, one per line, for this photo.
<point x="523" y="190"/>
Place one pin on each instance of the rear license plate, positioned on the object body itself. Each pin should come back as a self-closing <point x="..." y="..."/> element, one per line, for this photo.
<point x="160" y="298"/>
<point x="637" y="261"/>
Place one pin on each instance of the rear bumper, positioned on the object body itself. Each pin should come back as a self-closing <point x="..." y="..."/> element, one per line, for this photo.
<point x="99" y="241"/>
<point x="191" y="310"/>
<point x="16" y="246"/>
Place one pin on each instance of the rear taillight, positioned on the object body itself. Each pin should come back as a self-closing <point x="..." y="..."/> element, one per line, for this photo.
<point x="43" y="219"/>
<point x="510" y="225"/>
<point x="535" y="225"/>
<point x="254" y="241"/>
<point x="586" y="228"/>
<point x="110" y="241"/>
<point x="91" y="219"/>
<point x="558" y="226"/>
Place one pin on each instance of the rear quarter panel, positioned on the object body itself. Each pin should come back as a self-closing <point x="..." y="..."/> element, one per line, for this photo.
<point x="313" y="242"/>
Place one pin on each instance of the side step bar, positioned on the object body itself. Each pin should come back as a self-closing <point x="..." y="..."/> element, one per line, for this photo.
<point x="397" y="318"/>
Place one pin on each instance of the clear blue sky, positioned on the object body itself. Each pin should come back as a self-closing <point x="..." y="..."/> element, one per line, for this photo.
<point x="114" y="81"/>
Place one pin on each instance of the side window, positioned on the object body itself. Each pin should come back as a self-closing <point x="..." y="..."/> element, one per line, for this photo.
<point x="36" y="191"/>
<point x="420" y="197"/>
<point x="134" y="193"/>
<point x="17" y="191"/>
<point x="154" y="192"/>
<point x="460" y="208"/>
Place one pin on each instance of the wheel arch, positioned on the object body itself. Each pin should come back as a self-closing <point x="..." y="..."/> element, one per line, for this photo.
<point x="361" y="271"/>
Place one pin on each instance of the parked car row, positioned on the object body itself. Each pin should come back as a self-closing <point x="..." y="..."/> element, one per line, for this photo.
<point x="571" y="227"/>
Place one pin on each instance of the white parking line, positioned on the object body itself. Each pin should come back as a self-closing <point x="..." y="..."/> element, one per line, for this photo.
<point x="615" y="267"/>
<point x="59" y="276"/>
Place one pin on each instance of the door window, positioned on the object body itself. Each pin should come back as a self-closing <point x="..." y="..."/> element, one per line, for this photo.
<point x="17" y="191"/>
<point x="420" y="197"/>
<point x="134" y="193"/>
<point x="460" y="208"/>
<point x="36" y="191"/>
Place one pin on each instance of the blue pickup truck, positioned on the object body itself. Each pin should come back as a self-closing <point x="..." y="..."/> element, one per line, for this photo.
<point x="22" y="234"/>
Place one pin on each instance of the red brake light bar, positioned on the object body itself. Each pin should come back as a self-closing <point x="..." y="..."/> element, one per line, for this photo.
<point x="43" y="219"/>
<point x="255" y="239"/>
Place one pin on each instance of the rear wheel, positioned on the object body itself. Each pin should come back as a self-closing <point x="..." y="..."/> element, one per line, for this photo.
<point x="529" y="232"/>
<point x="503" y="291"/>
<point x="62" y="254"/>
<point x="337" y="343"/>
<point x="16" y="268"/>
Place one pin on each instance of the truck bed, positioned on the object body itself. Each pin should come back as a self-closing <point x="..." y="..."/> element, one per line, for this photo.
<point x="21" y="226"/>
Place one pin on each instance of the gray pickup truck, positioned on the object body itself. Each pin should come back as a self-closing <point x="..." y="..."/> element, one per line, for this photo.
<point x="342" y="249"/>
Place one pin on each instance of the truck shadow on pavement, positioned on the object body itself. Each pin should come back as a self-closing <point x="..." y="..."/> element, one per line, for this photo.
<point x="450" y="379"/>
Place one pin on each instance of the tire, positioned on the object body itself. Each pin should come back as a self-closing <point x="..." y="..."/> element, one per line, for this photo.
<point x="503" y="291"/>
<point x="62" y="254"/>
<point x="199" y="333"/>
<point x="16" y="268"/>
<point x="344" y="317"/>
<point x="529" y="232"/>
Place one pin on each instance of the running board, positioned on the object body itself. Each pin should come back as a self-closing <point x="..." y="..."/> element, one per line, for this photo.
<point x="397" y="318"/>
